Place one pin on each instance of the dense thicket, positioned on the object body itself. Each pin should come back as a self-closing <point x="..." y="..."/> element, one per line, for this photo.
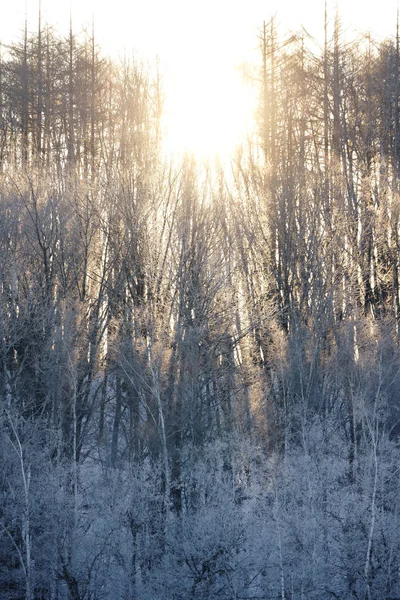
<point x="199" y="374"/>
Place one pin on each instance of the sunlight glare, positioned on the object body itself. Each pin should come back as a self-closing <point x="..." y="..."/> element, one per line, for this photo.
<point x="208" y="111"/>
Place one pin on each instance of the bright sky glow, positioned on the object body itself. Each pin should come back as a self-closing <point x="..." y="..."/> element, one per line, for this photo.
<point x="208" y="112"/>
<point x="199" y="44"/>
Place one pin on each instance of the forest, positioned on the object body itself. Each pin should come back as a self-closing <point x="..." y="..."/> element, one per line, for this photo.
<point x="200" y="363"/>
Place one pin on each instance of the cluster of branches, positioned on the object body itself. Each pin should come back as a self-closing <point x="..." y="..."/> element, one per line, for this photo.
<point x="330" y="134"/>
<point x="62" y="104"/>
<point x="173" y="340"/>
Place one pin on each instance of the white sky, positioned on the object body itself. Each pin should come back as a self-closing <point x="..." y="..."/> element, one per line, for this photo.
<point x="176" y="28"/>
<point x="198" y="42"/>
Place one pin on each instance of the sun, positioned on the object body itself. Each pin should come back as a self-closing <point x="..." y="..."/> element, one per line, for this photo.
<point x="209" y="110"/>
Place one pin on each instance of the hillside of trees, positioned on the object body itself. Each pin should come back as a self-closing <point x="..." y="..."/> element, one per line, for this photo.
<point x="199" y="366"/>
